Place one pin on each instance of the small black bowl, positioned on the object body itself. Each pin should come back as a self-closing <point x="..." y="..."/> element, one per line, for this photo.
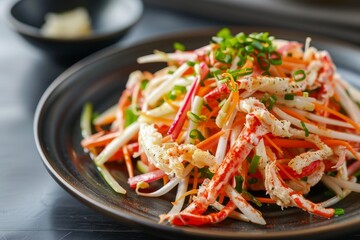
<point x="110" y="20"/>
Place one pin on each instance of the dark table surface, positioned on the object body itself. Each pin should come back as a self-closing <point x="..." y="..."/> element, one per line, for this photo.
<point x="32" y="204"/>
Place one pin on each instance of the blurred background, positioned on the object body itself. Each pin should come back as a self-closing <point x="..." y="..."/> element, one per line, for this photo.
<point x="32" y="204"/>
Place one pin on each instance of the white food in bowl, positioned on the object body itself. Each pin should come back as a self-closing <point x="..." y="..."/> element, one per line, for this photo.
<point x="75" y="23"/>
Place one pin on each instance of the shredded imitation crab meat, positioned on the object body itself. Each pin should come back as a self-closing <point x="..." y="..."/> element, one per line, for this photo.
<point x="244" y="121"/>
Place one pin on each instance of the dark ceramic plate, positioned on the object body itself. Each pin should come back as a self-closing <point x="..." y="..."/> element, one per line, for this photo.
<point x="100" y="79"/>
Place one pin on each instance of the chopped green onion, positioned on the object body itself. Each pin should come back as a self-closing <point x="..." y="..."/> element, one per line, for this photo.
<point x="289" y="96"/>
<point x="130" y="116"/>
<point x="176" y="91"/>
<point x="356" y="174"/>
<point x="205" y="173"/>
<point x="144" y="84"/>
<point x="85" y="120"/>
<point x="299" y="75"/>
<point x="196" y="134"/>
<point x="305" y="94"/>
<point x="242" y="57"/>
<point x="329" y="193"/>
<point x="331" y="174"/>
<point x="180" y="88"/>
<point x="264" y="63"/>
<point x="249" y="49"/>
<point x="257" y="45"/>
<point x="305" y="129"/>
<point x="275" y="58"/>
<point x="223" y="57"/>
<point x="254" y="163"/>
<point x="224" y="33"/>
<point x="208" y="107"/>
<point x="239" y="181"/>
<point x="252" y="198"/>
<point x="142" y="167"/>
<point x="196" y="118"/>
<point x="272" y="100"/>
<point x="179" y="46"/>
<point x="252" y="180"/>
<point x="339" y="211"/>
<point x="109" y="179"/>
<point x="170" y="72"/>
<point x="266" y="73"/>
<point x="216" y="74"/>
<point x="190" y="63"/>
<point x="241" y="72"/>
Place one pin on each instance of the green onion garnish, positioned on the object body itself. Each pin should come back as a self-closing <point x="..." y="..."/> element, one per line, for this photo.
<point x="289" y="96"/>
<point x="339" y="211"/>
<point x="176" y="91"/>
<point x="272" y="100"/>
<point x="257" y="45"/>
<point x="224" y="33"/>
<point x="241" y="72"/>
<point x="130" y="116"/>
<point x="305" y="129"/>
<point x="263" y="61"/>
<point x="205" y="173"/>
<point x="275" y="58"/>
<point x="252" y="180"/>
<point x="251" y="197"/>
<point x="180" y="88"/>
<point x="144" y="84"/>
<point x="242" y="57"/>
<point x="299" y="75"/>
<point x="223" y="57"/>
<point x="254" y="163"/>
<point x="179" y="46"/>
<point x="196" y="118"/>
<point x="196" y="134"/>
<point x="239" y="181"/>
<point x="266" y="73"/>
<point x="190" y="63"/>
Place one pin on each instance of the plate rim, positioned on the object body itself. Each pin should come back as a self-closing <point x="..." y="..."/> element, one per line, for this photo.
<point x="149" y="225"/>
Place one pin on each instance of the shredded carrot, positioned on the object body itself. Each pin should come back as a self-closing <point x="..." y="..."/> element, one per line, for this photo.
<point x="290" y="143"/>
<point x="128" y="162"/>
<point x="171" y="104"/>
<point x="165" y="179"/>
<point x="234" y="96"/>
<point x="267" y="139"/>
<point x="122" y="104"/>
<point x="195" y="180"/>
<point x="204" y="90"/>
<point x="210" y="140"/>
<point x="339" y="115"/>
<point x="333" y="142"/>
<point x="295" y="114"/>
<point x="157" y="119"/>
<point x="191" y="192"/>
<point x="166" y="139"/>
<point x="248" y="64"/>
<point x="293" y="60"/>
<point x="277" y="71"/>
<point x="291" y="177"/>
<point x="107" y="120"/>
<point x="196" y="177"/>
<point x="270" y="154"/>
<point x="292" y="66"/>
<point x="265" y="200"/>
<point x="99" y="140"/>
<point x="210" y="115"/>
